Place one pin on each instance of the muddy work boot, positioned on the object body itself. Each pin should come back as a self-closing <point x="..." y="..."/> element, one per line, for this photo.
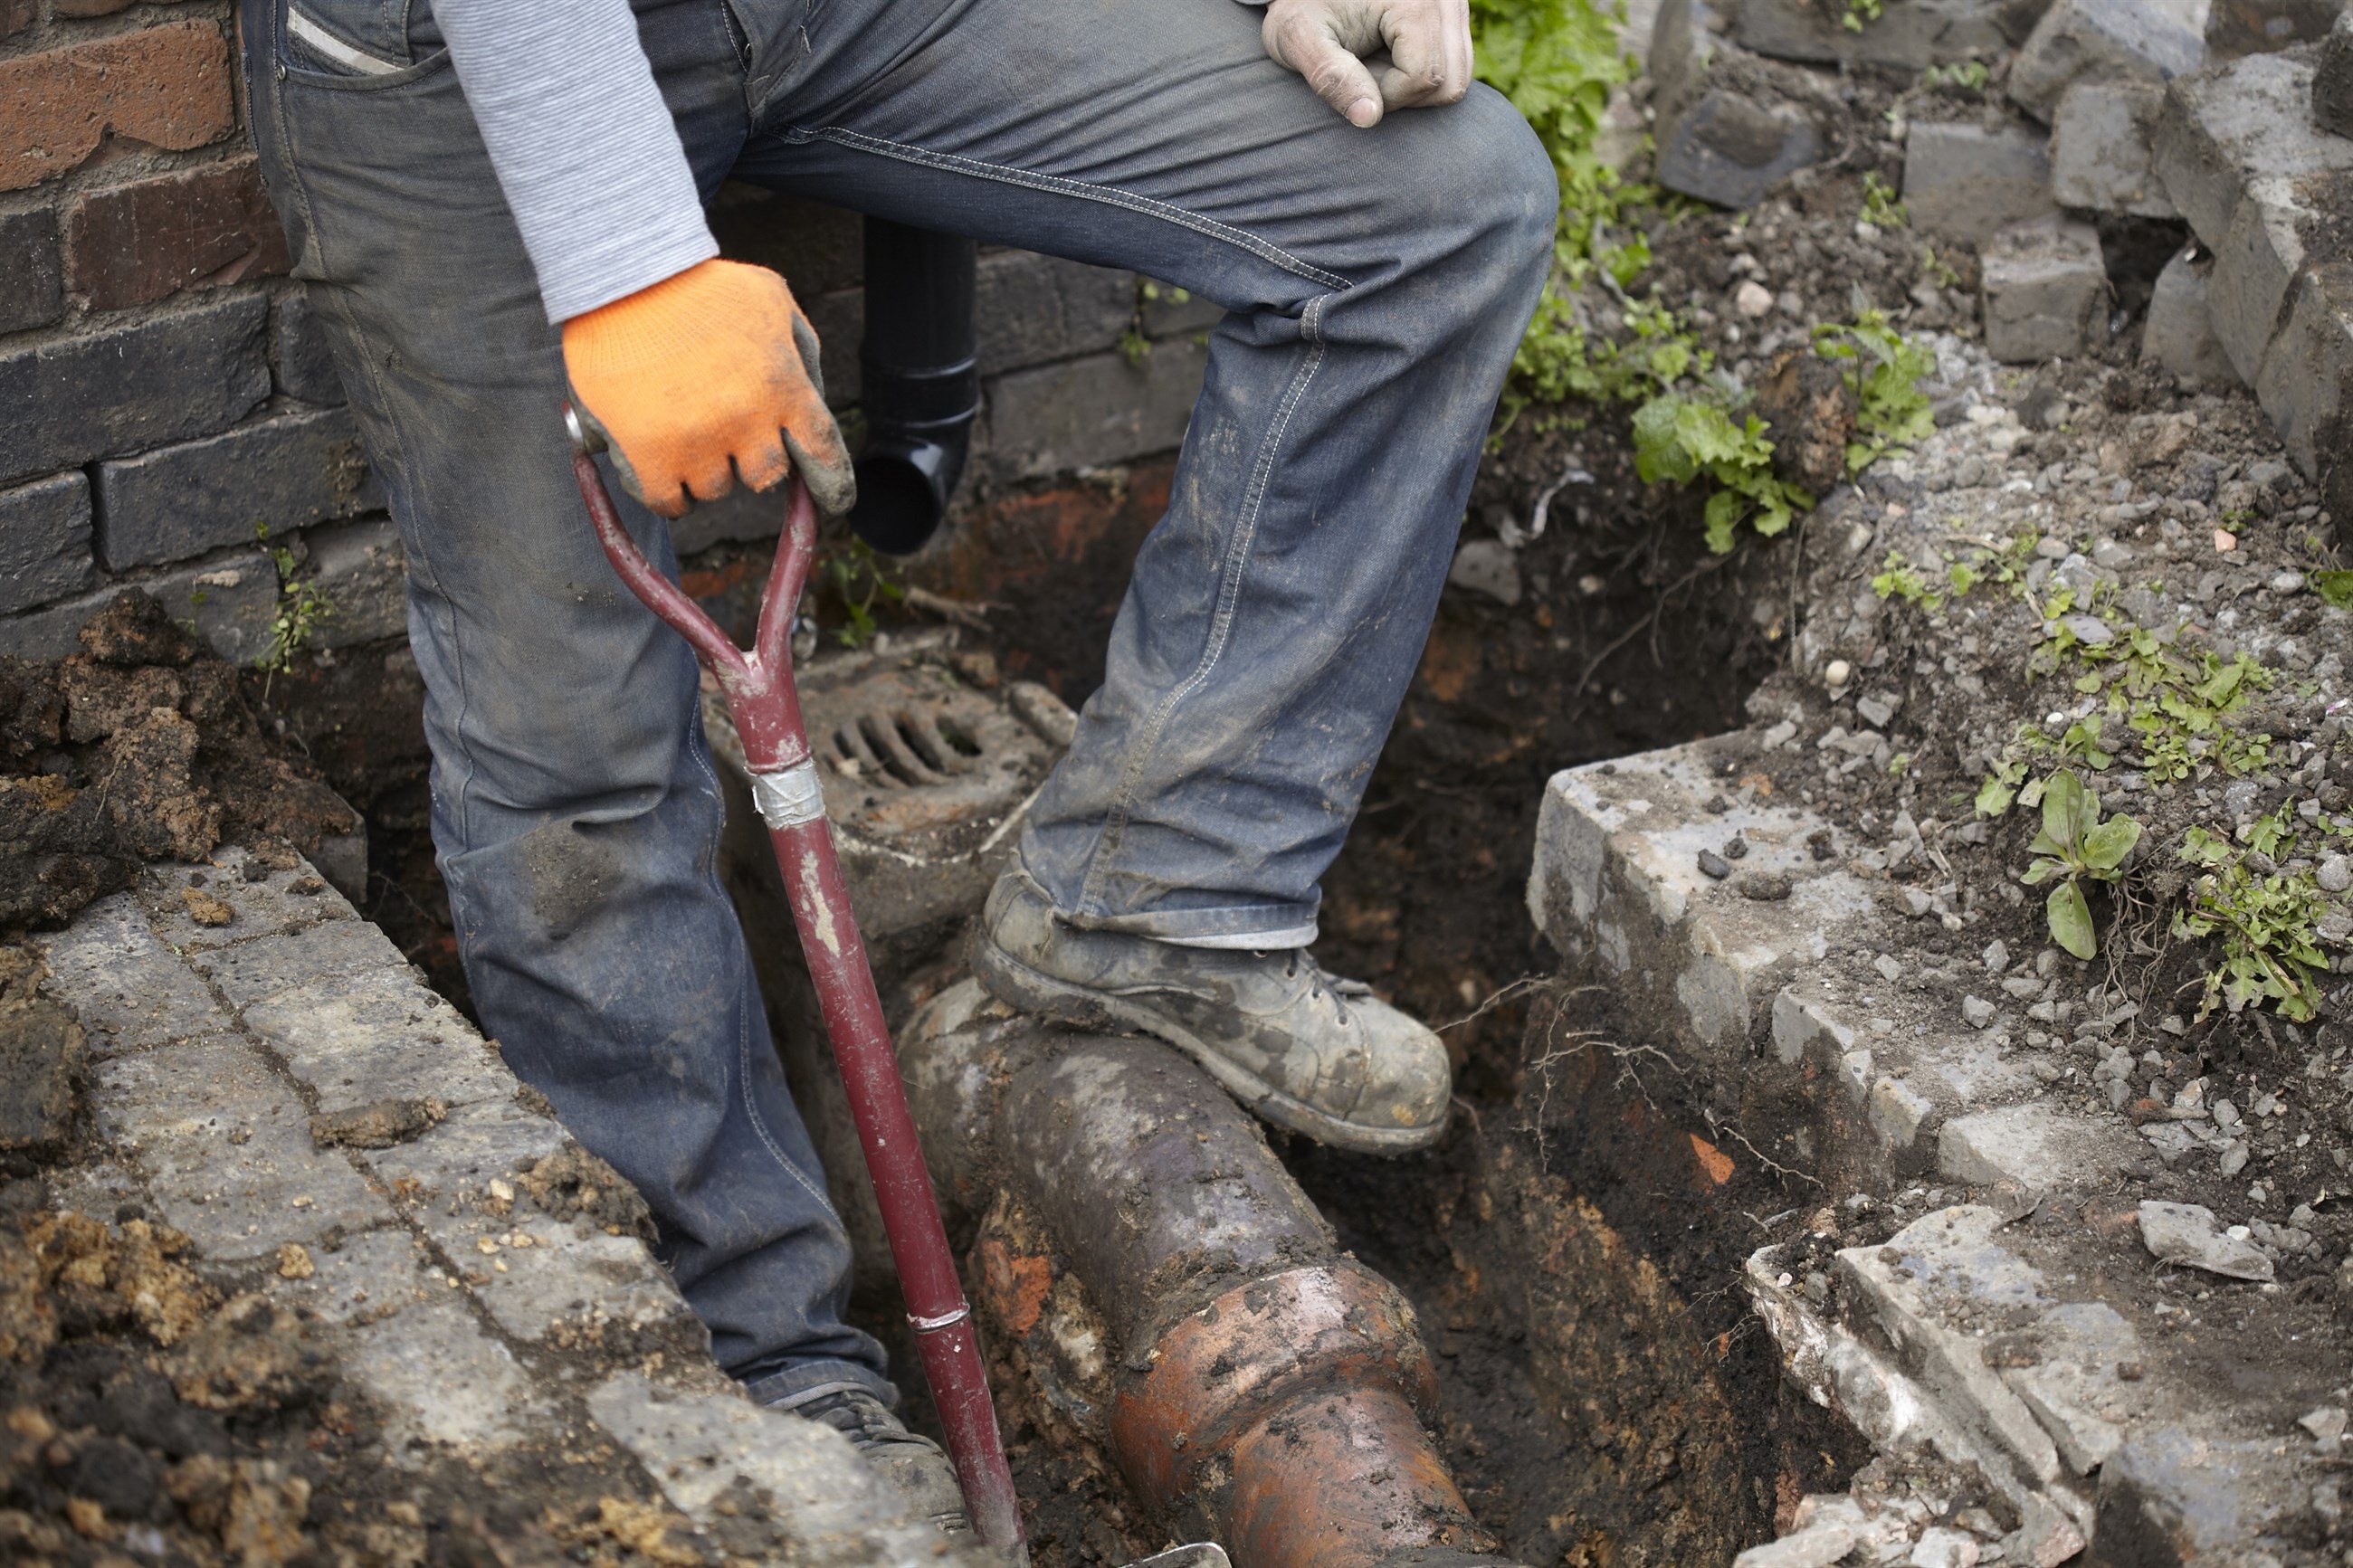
<point x="916" y="1466"/>
<point x="1297" y="1046"/>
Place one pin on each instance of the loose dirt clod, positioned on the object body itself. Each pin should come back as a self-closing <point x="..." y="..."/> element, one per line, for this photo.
<point x="139" y="747"/>
<point x="250" y="1354"/>
<point x="41" y="1056"/>
<point x="573" y="1184"/>
<point x="379" y="1124"/>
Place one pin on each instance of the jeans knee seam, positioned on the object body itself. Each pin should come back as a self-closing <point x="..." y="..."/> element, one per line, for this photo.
<point x="1110" y="196"/>
<point x="1140" y="750"/>
<point x="760" y="1126"/>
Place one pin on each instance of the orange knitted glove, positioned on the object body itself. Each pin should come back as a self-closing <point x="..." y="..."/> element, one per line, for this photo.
<point x="710" y="369"/>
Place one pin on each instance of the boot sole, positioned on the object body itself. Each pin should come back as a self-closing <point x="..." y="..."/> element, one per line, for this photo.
<point x="1018" y="985"/>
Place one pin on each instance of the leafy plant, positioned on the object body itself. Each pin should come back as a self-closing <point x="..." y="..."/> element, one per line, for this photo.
<point x="860" y="577"/>
<point x="1884" y="368"/>
<point x="1859" y="12"/>
<point x="2269" y="924"/>
<point x="1969" y="75"/>
<point x="1897" y="579"/>
<point x="1880" y="208"/>
<point x="2075" y="846"/>
<point x="2335" y="588"/>
<point x="1681" y="438"/>
<point x="302" y="608"/>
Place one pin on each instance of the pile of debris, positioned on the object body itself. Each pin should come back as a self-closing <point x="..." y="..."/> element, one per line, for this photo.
<point x="142" y="747"/>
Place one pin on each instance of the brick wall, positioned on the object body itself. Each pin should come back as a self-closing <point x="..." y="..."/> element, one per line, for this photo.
<point x="164" y="395"/>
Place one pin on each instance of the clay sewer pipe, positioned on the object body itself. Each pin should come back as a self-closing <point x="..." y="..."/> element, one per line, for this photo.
<point x="1178" y="1297"/>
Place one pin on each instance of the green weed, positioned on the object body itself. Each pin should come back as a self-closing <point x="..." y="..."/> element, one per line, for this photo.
<point x="1969" y="75"/>
<point x="2335" y="588"/>
<point x="1884" y="367"/>
<point x="1880" y="208"/>
<point x="2269" y="923"/>
<point x="1682" y="438"/>
<point x="2075" y="846"/>
<point x="302" y="608"/>
<point x="860" y="577"/>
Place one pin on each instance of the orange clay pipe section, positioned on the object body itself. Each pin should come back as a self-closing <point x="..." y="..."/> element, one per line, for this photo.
<point x="1266" y="1392"/>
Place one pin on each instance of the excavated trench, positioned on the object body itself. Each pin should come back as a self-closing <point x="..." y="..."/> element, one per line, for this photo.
<point x="1602" y="1394"/>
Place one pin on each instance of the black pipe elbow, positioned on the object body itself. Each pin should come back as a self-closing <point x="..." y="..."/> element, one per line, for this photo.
<point x="920" y="382"/>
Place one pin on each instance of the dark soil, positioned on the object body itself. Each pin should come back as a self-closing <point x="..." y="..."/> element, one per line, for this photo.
<point x="142" y="746"/>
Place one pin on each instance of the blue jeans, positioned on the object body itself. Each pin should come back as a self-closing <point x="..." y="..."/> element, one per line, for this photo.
<point x="1375" y="284"/>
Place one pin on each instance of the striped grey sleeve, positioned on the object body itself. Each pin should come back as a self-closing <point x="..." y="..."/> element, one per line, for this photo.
<point x="583" y="145"/>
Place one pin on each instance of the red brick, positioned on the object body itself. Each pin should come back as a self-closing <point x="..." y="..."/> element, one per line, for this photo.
<point x="152" y="238"/>
<point x="15" y="15"/>
<point x="167" y="87"/>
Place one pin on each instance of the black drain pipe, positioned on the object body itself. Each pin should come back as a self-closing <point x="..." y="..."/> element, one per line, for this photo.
<point x="921" y="383"/>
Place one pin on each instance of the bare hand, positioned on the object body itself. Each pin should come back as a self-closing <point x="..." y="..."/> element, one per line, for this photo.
<point x="1428" y="44"/>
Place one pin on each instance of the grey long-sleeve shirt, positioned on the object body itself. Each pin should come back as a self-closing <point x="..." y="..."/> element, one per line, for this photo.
<point x="585" y="149"/>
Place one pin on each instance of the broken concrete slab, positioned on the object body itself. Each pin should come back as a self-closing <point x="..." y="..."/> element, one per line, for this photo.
<point x="2190" y="1234"/>
<point x="2045" y="291"/>
<point x="1724" y="134"/>
<point x="1966" y="181"/>
<point x="2029" y="1144"/>
<point x="2101" y="134"/>
<point x="2238" y="156"/>
<point x="2176" y="332"/>
<point x="1909" y="1285"/>
<point x="2110" y="40"/>
<point x="1907" y="35"/>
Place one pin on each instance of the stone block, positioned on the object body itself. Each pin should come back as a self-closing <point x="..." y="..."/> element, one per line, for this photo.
<point x="1965" y="182"/>
<point x="183" y="501"/>
<point x="2332" y="80"/>
<point x="375" y="1273"/>
<point x="2301" y="383"/>
<point x="2236" y="27"/>
<point x="230" y="603"/>
<point x="15" y="15"/>
<point x="739" y="515"/>
<point x="226" y="1146"/>
<point x="305" y="366"/>
<point x="2045" y="291"/>
<point x="2178" y="333"/>
<point x="440" y="1378"/>
<point x="1911" y="1286"/>
<point x="355" y="1040"/>
<point x="2100" y="139"/>
<point x="1908" y="34"/>
<point x="457" y="1161"/>
<point x="1032" y="310"/>
<point x="1091" y="412"/>
<point x="1616" y="879"/>
<point x="146" y="240"/>
<point x="535" y="1275"/>
<point x="2174" y="1494"/>
<point x="272" y="965"/>
<point x="126" y="388"/>
<point x="818" y="248"/>
<point x="839" y="1513"/>
<point x="44" y="542"/>
<point x="2106" y="40"/>
<point x="166" y="86"/>
<point x="130" y="991"/>
<point x="2032" y="1144"/>
<point x="364" y="572"/>
<point x="263" y="908"/>
<point x="1723" y="134"/>
<point x="31" y="289"/>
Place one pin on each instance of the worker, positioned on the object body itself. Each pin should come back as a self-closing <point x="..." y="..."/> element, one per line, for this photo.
<point x="494" y="205"/>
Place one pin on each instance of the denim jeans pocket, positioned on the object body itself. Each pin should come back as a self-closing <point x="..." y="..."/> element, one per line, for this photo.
<point x="367" y="45"/>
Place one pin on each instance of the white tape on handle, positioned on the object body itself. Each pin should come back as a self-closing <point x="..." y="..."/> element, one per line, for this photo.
<point x="790" y="797"/>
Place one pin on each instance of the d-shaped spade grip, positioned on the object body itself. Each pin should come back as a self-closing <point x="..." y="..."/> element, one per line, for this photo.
<point x="758" y="686"/>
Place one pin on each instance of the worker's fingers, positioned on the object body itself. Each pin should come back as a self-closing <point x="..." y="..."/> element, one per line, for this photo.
<point x="1308" y="38"/>
<point x="1429" y="53"/>
<point x="805" y="342"/>
<point x="761" y="465"/>
<point x="825" y="468"/>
